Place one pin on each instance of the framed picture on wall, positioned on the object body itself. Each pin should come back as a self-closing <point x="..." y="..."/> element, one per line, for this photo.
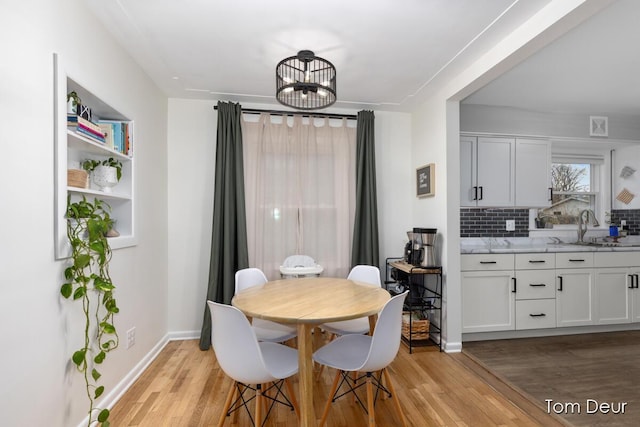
<point x="425" y="180"/>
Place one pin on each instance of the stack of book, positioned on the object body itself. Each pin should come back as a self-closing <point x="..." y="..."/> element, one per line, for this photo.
<point x="117" y="135"/>
<point x="85" y="128"/>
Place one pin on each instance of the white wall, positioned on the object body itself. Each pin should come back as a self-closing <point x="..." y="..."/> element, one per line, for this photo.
<point x="39" y="329"/>
<point x="192" y="136"/>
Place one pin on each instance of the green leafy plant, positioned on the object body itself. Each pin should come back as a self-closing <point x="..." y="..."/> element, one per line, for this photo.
<point x="90" y="164"/>
<point x="87" y="280"/>
<point x="73" y="96"/>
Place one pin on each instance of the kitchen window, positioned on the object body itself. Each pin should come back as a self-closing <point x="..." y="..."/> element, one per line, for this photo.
<point x="576" y="181"/>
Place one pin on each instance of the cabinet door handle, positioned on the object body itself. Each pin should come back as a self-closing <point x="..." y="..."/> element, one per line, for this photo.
<point x="481" y="193"/>
<point x="537" y="285"/>
<point x="475" y="193"/>
<point x="537" y="315"/>
<point x="488" y="262"/>
<point x="560" y="288"/>
<point x="515" y="285"/>
<point x="632" y="281"/>
<point x="636" y="276"/>
<point x="536" y="261"/>
<point x="575" y="260"/>
<point x="550" y="194"/>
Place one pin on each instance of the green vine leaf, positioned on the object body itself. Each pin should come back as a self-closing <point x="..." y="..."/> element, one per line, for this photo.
<point x="81" y="261"/>
<point x="80" y="292"/>
<point x="102" y="417"/>
<point x="100" y="357"/>
<point x="108" y="328"/>
<point x="66" y="290"/>
<point x="95" y="374"/>
<point x="79" y="357"/>
<point x="98" y="392"/>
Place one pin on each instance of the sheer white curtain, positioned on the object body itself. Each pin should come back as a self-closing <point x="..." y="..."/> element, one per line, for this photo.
<point x="300" y="191"/>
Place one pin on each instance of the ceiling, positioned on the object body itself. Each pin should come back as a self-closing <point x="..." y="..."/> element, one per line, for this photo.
<point x="389" y="54"/>
<point x="592" y="69"/>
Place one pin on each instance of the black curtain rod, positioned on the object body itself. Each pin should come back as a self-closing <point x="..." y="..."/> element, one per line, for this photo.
<point x="296" y="113"/>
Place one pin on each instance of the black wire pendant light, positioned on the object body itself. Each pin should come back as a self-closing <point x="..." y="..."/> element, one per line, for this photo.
<point x="306" y="82"/>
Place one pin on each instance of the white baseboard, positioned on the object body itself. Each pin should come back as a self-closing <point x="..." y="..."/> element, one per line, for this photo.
<point x="184" y="335"/>
<point x="452" y="347"/>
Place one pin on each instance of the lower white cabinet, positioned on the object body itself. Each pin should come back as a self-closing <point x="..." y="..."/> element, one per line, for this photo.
<point x="574" y="297"/>
<point x="536" y="313"/>
<point x="616" y="287"/>
<point x="488" y="301"/>
<point x="502" y="292"/>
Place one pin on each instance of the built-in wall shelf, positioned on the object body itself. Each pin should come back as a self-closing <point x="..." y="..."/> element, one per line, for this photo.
<point x="72" y="148"/>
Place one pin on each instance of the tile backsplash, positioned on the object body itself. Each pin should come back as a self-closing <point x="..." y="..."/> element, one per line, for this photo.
<point x="491" y="222"/>
<point x="632" y="216"/>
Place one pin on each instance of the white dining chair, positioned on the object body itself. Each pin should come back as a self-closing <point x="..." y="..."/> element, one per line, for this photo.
<point x="265" y="330"/>
<point x="250" y="364"/>
<point x="369" y="354"/>
<point x="370" y="275"/>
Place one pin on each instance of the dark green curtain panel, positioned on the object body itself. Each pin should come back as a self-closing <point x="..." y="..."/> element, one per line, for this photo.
<point x="229" y="235"/>
<point x="364" y="249"/>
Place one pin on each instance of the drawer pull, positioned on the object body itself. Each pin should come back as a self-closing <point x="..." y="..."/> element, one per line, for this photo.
<point x="537" y="285"/>
<point x="576" y="260"/>
<point x="488" y="262"/>
<point x="537" y="261"/>
<point x="538" y="315"/>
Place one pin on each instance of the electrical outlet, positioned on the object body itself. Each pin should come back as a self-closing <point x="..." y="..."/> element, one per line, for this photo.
<point x="623" y="222"/>
<point x="131" y="337"/>
<point x="511" y="225"/>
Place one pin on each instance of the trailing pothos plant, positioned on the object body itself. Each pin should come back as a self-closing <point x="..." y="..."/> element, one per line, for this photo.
<point x="87" y="280"/>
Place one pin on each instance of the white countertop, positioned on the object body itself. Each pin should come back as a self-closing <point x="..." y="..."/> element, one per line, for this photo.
<point x="474" y="245"/>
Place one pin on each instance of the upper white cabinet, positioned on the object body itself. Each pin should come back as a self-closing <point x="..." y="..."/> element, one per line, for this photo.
<point x="533" y="172"/>
<point x="487" y="171"/>
<point x="72" y="148"/>
<point x="501" y="171"/>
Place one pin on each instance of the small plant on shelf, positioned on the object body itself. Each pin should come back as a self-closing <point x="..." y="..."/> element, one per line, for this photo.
<point x="87" y="280"/>
<point x="91" y="164"/>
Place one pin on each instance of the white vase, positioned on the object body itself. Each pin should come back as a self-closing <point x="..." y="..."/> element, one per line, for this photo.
<point x="105" y="177"/>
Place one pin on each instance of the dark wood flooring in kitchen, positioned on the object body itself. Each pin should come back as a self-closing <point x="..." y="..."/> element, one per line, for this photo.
<point x="574" y="371"/>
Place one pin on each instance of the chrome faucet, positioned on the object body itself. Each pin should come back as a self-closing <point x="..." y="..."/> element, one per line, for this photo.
<point x="582" y="224"/>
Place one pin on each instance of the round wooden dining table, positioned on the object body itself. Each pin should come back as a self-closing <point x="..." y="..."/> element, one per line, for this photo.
<point x="309" y="302"/>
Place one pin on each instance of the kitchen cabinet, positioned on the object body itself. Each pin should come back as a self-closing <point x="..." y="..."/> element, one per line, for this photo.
<point x="487" y="171"/>
<point x="535" y="291"/>
<point x="575" y="289"/>
<point x="533" y="173"/>
<point x="488" y="293"/>
<point x="502" y="171"/>
<point x="616" y="287"/>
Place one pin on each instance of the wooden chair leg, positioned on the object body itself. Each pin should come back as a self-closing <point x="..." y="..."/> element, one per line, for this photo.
<point x="258" y="420"/>
<point x="234" y="416"/>
<point x="292" y="397"/>
<point x="370" y="408"/>
<point x="394" y="396"/>
<point x="227" y="403"/>
<point x="334" y="387"/>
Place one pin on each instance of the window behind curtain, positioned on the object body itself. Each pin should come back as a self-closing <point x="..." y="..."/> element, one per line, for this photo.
<point x="300" y="191"/>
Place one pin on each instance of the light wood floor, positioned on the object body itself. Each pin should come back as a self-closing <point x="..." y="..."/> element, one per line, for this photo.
<point x="185" y="387"/>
